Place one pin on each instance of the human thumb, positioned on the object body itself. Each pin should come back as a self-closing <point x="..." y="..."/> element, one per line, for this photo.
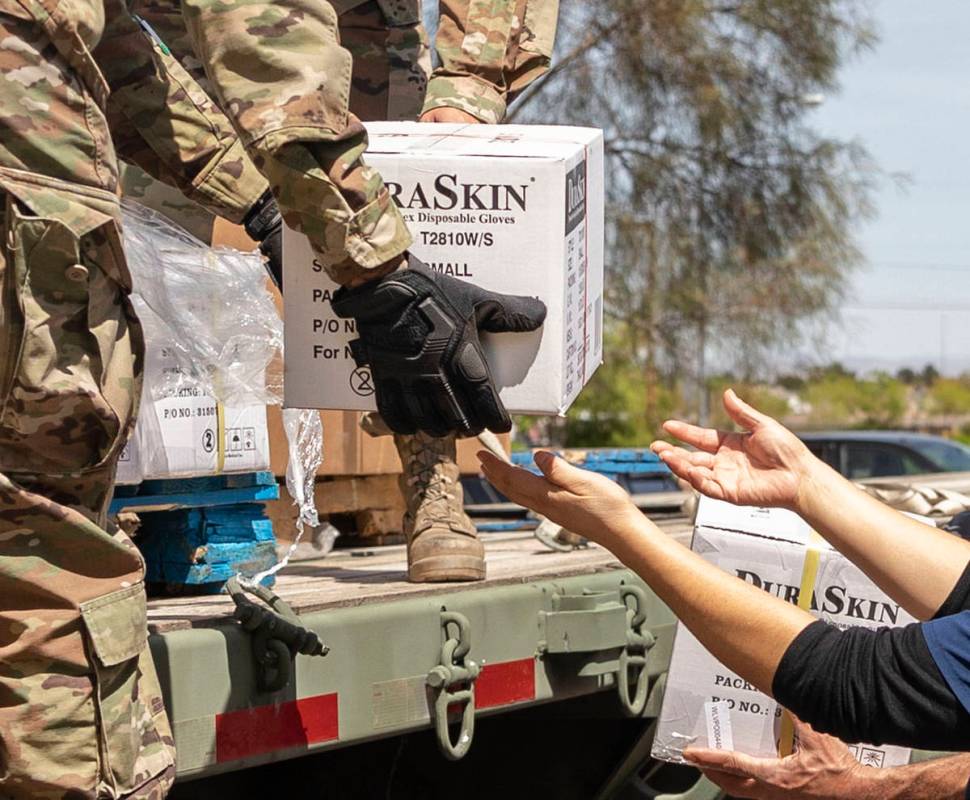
<point x="743" y="414"/>
<point x="557" y="470"/>
<point x="509" y="313"/>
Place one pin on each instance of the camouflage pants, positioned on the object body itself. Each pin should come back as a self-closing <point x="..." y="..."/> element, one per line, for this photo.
<point x="81" y="713"/>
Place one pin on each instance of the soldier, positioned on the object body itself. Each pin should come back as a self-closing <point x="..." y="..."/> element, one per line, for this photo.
<point x="481" y="70"/>
<point x="82" y="714"/>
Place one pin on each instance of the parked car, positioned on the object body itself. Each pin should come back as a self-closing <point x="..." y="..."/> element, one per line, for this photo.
<point x="877" y="454"/>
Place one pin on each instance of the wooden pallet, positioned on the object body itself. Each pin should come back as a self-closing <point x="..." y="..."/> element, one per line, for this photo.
<point x="196" y="533"/>
<point x="367" y="506"/>
<point x="214" y="490"/>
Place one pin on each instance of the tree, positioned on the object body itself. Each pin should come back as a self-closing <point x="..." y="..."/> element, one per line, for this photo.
<point x="729" y="216"/>
<point x="929" y="375"/>
<point x="907" y="376"/>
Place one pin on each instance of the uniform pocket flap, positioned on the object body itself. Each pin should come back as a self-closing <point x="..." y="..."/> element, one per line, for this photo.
<point x="117" y="624"/>
<point x="48" y="202"/>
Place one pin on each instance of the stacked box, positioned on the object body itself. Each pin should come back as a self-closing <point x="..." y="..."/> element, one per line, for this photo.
<point x="516" y="209"/>
<point x="177" y="433"/>
<point x="707" y="705"/>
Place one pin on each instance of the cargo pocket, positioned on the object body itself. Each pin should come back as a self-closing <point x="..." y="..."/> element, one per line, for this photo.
<point x="68" y="386"/>
<point x="135" y="743"/>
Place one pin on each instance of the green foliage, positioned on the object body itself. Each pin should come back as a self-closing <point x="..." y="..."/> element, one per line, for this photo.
<point x="948" y="396"/>
<point x="840" y="401"/>
<point x="612" y="410"/>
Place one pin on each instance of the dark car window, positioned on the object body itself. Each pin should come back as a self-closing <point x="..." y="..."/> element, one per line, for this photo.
<point x="874" y="460"/>
<point x="827" y="451"/>
<point x="948" y="456"/>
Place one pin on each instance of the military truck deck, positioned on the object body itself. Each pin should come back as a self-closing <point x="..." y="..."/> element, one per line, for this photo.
<point x="544" y="626"/>
<point x="360" y="576"/>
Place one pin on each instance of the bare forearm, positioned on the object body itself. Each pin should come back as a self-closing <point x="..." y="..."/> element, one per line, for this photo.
<point x="745" y="628"/>
<point x="896" y="552"/>
<point x="941" y="779"/>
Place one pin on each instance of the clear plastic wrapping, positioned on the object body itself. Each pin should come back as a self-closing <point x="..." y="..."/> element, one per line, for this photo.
<point x="214" y="336"/>
<point x="209" y="307"/>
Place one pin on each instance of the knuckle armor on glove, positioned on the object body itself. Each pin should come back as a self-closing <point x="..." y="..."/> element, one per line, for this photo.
<point x="419" y="335"/>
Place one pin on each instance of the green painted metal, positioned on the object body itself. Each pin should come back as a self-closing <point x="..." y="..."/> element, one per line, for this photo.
<point x="584" y="623"/>
<point x="380" y="657"/>
<point x="633" y="659"/>
<point x="455" y="670"/>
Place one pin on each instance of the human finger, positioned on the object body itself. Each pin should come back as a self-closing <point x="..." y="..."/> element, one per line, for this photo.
<point x="696" y="458"/>
<point x="702" y="479"/>
<point x="516" y="483"/>
<point x="702" y="438"/>
<point x="559" y="471"/>
<point x="732" y="762"/>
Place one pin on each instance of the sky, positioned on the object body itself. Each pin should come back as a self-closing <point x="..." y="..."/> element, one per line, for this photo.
<point x="908" y="101"/>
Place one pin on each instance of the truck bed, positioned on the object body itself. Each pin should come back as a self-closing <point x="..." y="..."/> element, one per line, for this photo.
<point x="544" y="626"/>
<point x="355" y="577"/>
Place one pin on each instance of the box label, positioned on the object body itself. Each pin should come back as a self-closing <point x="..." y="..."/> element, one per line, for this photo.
<point x="697" y="682"/>
<point x="576" y="332"/>
<point x="501" y="209"/>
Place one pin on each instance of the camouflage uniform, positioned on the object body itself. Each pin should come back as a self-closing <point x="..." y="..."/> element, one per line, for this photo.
<point x="82" y="714"/>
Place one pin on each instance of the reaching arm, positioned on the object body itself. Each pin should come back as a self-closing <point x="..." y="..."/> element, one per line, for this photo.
<point x="769" y="466"/>
<point x="164" y="122"/>
<point x="745" y="628"/>
<point x="877" y="686"/>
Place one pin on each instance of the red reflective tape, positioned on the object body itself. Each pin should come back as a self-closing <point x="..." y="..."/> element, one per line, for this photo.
<point x="263" y="729"/>
<point x="508" y="682"/>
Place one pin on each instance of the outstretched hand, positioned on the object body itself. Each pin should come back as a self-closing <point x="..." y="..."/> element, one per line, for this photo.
<point x="821" y="767"/>
<point x="584" y="502"/>
<point x="764" y="466"/>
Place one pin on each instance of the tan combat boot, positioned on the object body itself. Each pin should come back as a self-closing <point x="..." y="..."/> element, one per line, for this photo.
<point x="442" y="542"/>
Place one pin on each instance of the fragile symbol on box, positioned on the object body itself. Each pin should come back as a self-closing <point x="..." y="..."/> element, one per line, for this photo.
<point x="241" y="439"/>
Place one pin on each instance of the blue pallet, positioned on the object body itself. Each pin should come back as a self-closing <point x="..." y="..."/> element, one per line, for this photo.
<point x="633" y="461"/>
<point x="496" y="526"/>
<point x="183" y="493"/>
<point x="235" y="539"/>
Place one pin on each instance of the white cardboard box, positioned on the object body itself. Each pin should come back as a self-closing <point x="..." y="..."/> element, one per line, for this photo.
<point x="177" y="432"/>
<point x="707" y="705"/>
<point x="516" y="209"/>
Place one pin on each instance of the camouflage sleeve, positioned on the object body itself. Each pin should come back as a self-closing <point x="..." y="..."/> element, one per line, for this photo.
<point x="490" y="50"/>
<point x="162" y="121"/>
<point x="279" y="71"/>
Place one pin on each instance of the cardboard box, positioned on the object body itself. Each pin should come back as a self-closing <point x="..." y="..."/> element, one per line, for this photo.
<point x="348" y="451"/>
<point x="707" y="705"/>
<point x="516" y="209"/>
<point x="177" y="432"/>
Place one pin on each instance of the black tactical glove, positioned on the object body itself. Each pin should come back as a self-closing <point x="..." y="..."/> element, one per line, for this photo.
<point x="419" y="334"/>
<point x="264" y="225"/>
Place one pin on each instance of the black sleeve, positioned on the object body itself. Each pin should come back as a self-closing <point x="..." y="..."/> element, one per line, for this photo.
<point x="959" y="599"/>
<point x="876" y="686"/>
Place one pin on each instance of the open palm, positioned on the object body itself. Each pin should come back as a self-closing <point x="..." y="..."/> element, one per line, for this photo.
<point x="762" y="467"/>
